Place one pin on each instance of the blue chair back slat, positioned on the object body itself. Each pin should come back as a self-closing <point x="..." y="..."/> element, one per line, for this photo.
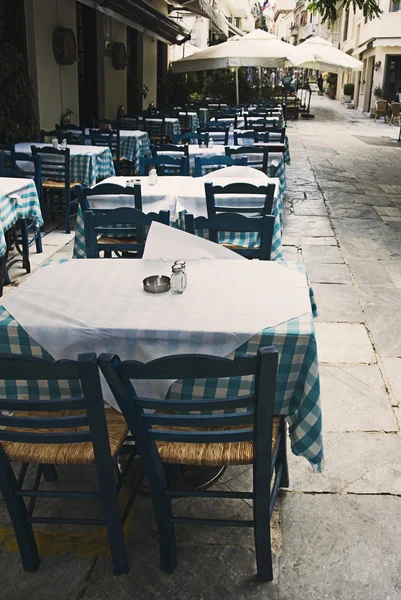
<point x="247" y="138"/>
<point x="190" y="137"/>
<point x="127" y="222"/>
<point x="272" y="132"/>
<point x="174" y="149"/>
<point x="236" y="223"/>
<point x="46" y="137"/>
<point x="217" y="162"/>
<point x="108" y="189"/>
<point x="239" y="190"/>
<point x="164" y="165"/>
<point x="258" y="158"/>
<point x="214" y="128"/>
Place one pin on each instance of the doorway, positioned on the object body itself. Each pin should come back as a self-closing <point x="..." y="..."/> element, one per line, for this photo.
<point x="87" y="65"/>
<point x="392" y="81"/>
<point x="134" y="70"/>
<point x="161" y="73"/>
<point x="369" y="84"/>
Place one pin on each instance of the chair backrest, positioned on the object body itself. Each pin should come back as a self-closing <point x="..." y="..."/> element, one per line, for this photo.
<point x="395" y="109"/>
<point x="241" y="418"/>
<point x="32" y="168"/>
<point x="258" y="157"/>
<point x="381" y="105"/>
<point x="132" y="123"/>
<point x="190" y="137"/>
<point x="119" y="222"/>
<point x="235" y="224"/>
<point x="184" y="120"/>
<point x="107" y="137"/>
<point x="105" y="124"/>
<point x="109" y="189"/>
<point x="155" y="127"/>
<point x="227" y="116"/>
<point x="164" y="165"/>
<point x="218" y="133"/>
<point x="273" y="134"/>
<point x="55" y="164"/>
<point x="247" y="138"/>
<point x="170" y="149"/>
<point x="76" y="420"/>
<point x="218" y="198"/>
<point x="251" y="121"/>
<point x="46" y="137"/>
<point x="216" y="162"/>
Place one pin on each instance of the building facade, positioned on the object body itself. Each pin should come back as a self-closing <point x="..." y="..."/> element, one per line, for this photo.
<point x="377" y="44"/>
<point x="97" y="83"/>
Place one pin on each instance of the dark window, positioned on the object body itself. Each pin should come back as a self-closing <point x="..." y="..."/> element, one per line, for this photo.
<point x="134" y="70"/>
<point x="12" y="23"/>
<point x="161" y="73"/>
<point x="87" y="64"/>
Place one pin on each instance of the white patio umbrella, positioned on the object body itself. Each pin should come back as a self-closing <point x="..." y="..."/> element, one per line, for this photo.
<point x="257" y="49"/>
<point x="317" y="53"/>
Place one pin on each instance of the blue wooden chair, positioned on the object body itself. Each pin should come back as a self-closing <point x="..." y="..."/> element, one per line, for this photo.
<point x="247" y="138"/>
<point x="174" y="434"/>
<point x="227" y="116"/>
<point x="239" y="191"/>
<point x="164" y="165"/>
<point x="258" y="157"/>
<point x="156" y="128"/>
<point x="63" y="431"/>
<point x="58" y="189"/>
<point x="238" y="228"/>
<point x="219" y="133"/>
<point x="191" y="138"/>
<point x="76" y="133"/>
<point x="212" y="163"/>
<point x="110" y="138"/>
<point x="46" y="137"/>
<point x="127" y="226"/>
<point x="274" y="134"/>
<point x="174" y="149"/>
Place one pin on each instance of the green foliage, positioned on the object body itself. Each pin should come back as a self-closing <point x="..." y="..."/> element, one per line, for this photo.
<point x="328" y="8"/>
<point x="17" y="118"/>
<point x="220" y="85"/>
<point x="179" y="87"/>
<point x="378" y="92"/>
<point x="349" y="89"/>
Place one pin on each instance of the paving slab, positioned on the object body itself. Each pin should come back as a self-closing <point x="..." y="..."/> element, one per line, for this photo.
<point x="343" y="343"/>
<point x="327" y="254"/>
<point x="328" y="273"/>
<point x="355" y="398"/>
<point x="337" y="303"/>
<point x="356" y="462"/>
<point x="384" y="323"/>
<point x="340" y="548"/>
<point x="308" y="226"/>
<point x="392" y="373"/>
<point x="371" y="272"/>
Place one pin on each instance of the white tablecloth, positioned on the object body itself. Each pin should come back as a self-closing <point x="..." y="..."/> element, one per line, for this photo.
<point x="75" y="150"/>
<point x="224" y="305"/>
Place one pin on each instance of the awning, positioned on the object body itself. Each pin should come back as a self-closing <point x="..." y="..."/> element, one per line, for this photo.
<point x="390" y="41"/>
<point x="143" y="14"/>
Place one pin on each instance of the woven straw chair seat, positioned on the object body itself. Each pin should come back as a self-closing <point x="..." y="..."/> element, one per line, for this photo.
<point x="122" y="240"/>
<point x="60" y="185"/>
<point x="65" y="454"/>
<point x="230" y="453"/>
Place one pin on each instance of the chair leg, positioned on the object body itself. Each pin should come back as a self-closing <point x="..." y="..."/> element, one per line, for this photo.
<point x="165" y="528"/>
<point x="68" y="213"/>
<point x="261" y="515"/>
<point x="111" y="509"/>
<point x="18" y="513"/>
<point x="282" y="455"/>
<point x="38" y="241"/>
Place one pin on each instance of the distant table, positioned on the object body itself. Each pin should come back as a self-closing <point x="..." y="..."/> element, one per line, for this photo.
<point x="172" y="125"/>
<point x="88" y="163"/>
<point x="133" y="145"/>
<point x="186" y="194"/>
<point x="193" y="120"/>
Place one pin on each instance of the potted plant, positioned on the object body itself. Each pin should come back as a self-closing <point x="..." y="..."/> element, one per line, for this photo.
<point x="349" y="89"/>
<point x="378" y="92"/>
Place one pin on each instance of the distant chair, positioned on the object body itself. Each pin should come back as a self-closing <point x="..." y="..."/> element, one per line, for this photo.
<point x="76" y="133"/>
<point x="381" y="107"/>
<point x="164" y="165"/>
<point x="218" y="133"/>
<point x="110" y="138"/>
<point x="247" y="138"/>
<point x="58" y="190"/>
<point x="212" y="163"/>
<point x="46" y="137"/>
<point x="258" y="157"/>
<point x="217" y="198"/>
<point x="274" y="134"/>
<point x="190" y="137"/>
<point x="156" y="129"/>
<point x="128" y="222"/>
<point x="170" y="149"/>
<point x="395" y="113"/>
<point x="172" y="432"/>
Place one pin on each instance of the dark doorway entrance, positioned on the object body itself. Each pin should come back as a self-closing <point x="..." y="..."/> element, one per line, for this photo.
<point x="161" y="73"/>
<point x="12" y="23"/>
<point x="87" y="64"/>
<point x="393" y="77"/>
<point x="134" y="70"/>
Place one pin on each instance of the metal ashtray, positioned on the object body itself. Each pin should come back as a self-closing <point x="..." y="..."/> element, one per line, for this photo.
<point x="156" y="284"/>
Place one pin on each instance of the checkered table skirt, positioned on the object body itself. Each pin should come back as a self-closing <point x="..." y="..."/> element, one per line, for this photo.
<point x="194" y="122"/>
<point x="297" y="391"/>
<point x="204" y="115"/>
<point x="21" y="204"/>
<point x="132" y="147"/>
<point x="89" y="168"/>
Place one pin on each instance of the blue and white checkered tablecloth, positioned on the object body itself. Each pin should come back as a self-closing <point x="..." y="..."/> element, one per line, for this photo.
<point x="18" y="200"/>
<point x="204" y="115"/>
<point x="297" y="391"/>
<point x="135" y="145"/>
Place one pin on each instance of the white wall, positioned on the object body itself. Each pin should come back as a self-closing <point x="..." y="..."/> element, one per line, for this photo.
<point x="56" y="87"/>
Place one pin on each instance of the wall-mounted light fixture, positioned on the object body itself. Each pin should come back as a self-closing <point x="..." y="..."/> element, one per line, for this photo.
<point x="378" y="64"/>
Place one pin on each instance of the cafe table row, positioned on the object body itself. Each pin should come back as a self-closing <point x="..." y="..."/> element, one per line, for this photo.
<point x="181" y="195"/>
<point x="37" y="320"/>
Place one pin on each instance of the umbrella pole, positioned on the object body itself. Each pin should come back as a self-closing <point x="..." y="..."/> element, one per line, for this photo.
<point x="236" y="85"/>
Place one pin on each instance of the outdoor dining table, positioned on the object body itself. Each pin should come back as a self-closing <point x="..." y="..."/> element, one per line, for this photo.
<point x="133" y="144"/>
<point x="204" y="115"/>
<point x="88" y="163"/>
<point x="182" y="195"/>
<point x="193" y="119"/>
<point x="172" y="125"/>
<point x="138" y="326"/>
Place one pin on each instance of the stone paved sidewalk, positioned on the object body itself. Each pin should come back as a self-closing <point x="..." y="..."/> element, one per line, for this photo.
<point x="336" y="537"/>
